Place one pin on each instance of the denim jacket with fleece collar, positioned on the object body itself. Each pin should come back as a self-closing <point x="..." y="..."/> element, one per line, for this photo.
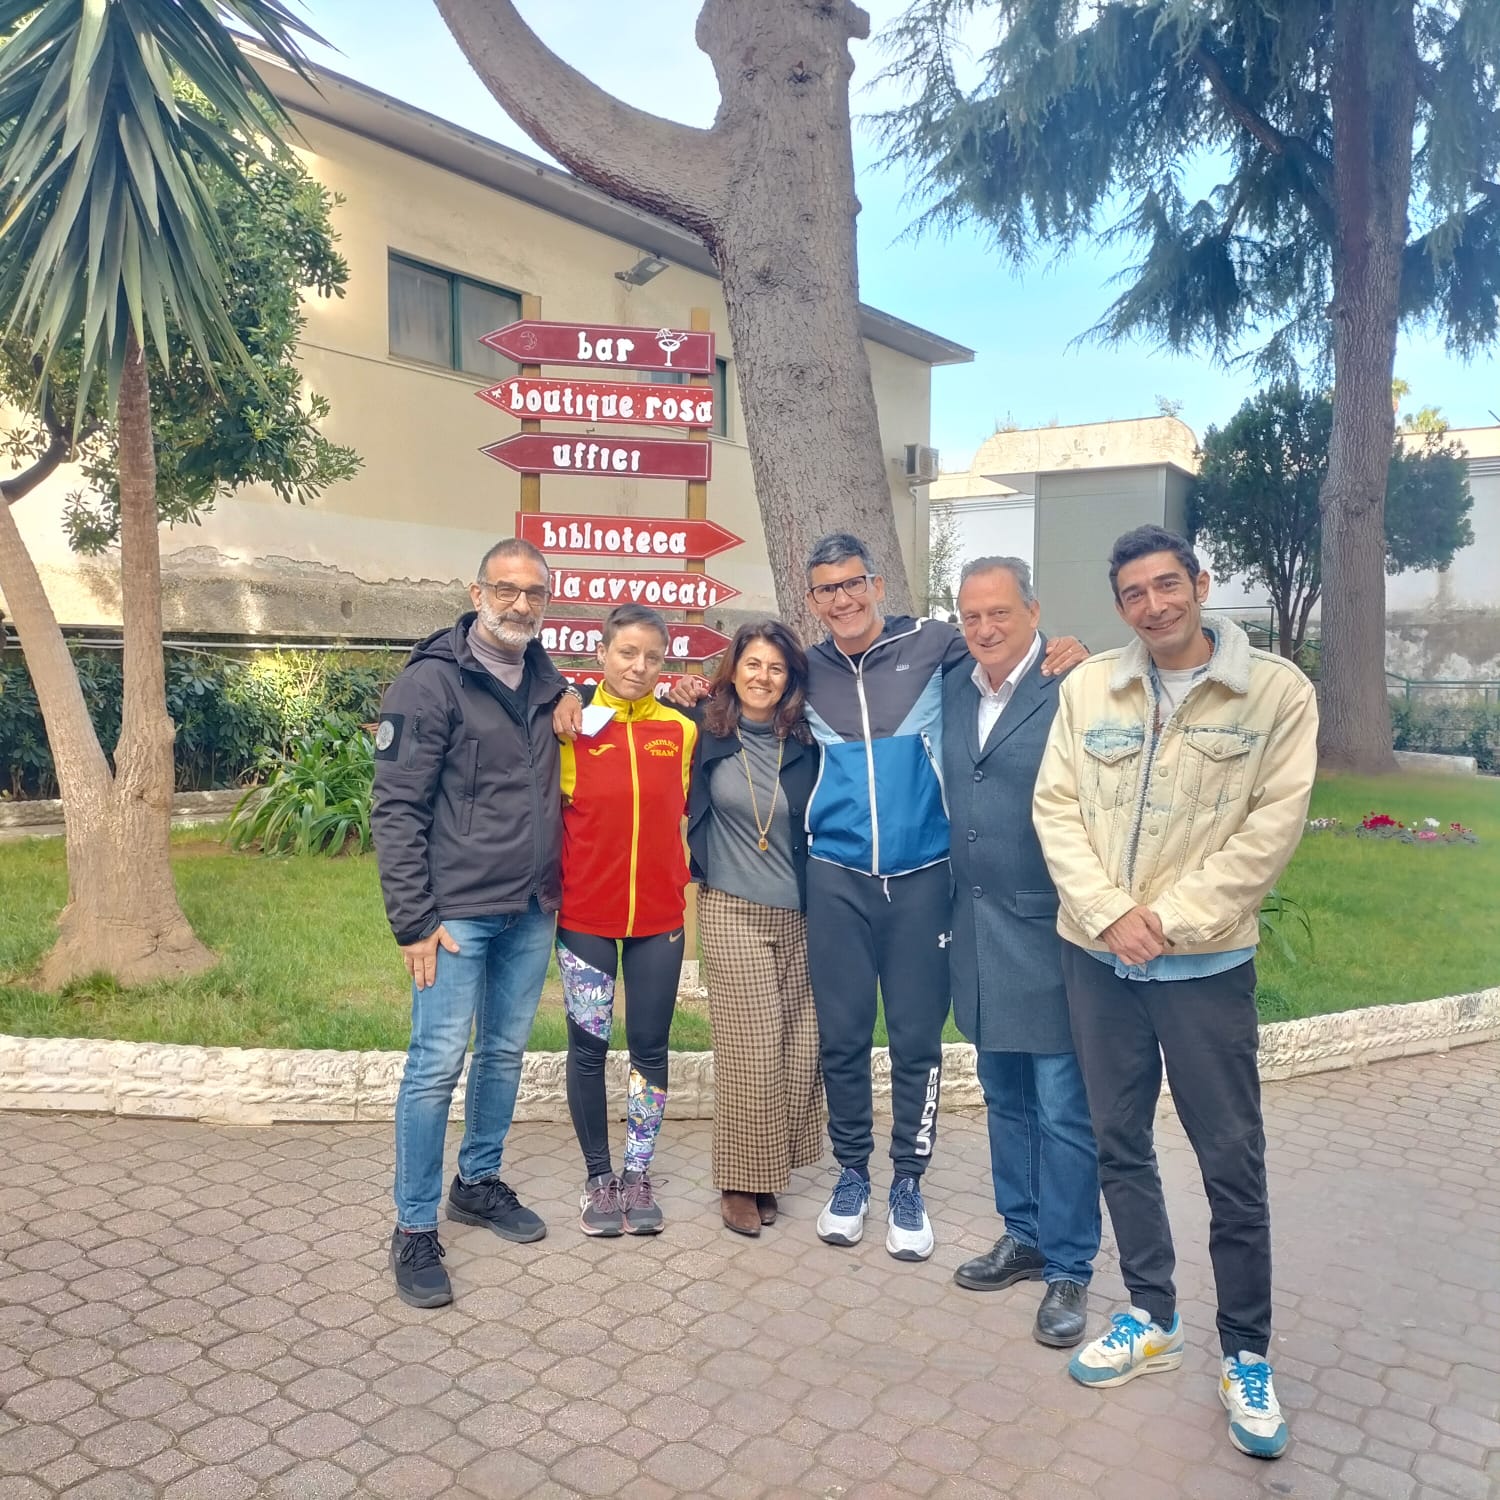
<point x="1194" y="817"/>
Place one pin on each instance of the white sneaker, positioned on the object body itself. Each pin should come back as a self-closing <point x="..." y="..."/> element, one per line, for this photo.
<point x="1134" y="1345"/>
<point x="1256" y="1425"/>
<point x="842" y="1221"/>
<point x="908" y="1234"/>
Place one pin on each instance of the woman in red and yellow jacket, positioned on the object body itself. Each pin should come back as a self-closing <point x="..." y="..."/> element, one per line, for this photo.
<point x="624" y="873"/>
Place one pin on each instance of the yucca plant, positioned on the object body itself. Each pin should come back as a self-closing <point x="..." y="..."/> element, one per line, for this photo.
<point x="1280" y="919"/>
<point x="108" y="240"/>
<point x="316" y="797"/>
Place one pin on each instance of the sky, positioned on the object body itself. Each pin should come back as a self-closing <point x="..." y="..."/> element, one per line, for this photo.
<point x="1026" y="371"/>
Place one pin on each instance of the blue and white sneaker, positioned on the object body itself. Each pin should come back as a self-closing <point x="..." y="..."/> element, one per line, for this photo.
<point x="1256" y="1425"/>
<point x="1135" y="1345"/>
<point x="842" y="1221"/>
<point x="908" y="1234"/>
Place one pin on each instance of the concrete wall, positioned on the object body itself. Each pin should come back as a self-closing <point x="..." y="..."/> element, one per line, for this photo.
<point x="388" y="553"/>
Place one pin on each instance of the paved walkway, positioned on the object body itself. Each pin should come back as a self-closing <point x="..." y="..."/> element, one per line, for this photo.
<point x="191" y="1311"/>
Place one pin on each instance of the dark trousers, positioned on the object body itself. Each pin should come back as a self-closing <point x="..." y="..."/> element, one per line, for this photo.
<point x="1206" y="1029"/>
<point x="865" y="933"/>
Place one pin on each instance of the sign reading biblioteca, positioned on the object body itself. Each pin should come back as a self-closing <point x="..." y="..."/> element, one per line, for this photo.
<point x="624" y="536"/>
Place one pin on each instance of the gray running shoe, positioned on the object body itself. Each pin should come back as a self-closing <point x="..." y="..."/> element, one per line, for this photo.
<point x="638" y="1199"/>
<point x="602" y="1211"/>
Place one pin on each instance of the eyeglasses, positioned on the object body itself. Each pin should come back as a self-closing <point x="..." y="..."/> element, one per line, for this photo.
<point x="855" y="588"/>
<point x="507" y="593"/>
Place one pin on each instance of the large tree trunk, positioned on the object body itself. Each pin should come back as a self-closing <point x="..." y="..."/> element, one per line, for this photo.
<point x="123" y="916"/>
<point x="770" y="189"/>
<point x="1374" y="95"/>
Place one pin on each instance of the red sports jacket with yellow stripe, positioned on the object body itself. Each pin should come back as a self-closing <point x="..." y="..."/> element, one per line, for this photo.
<point x="624" y="865"/>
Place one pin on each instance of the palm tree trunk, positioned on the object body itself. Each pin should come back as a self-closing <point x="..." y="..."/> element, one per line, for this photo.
<point x="123" y="916"/>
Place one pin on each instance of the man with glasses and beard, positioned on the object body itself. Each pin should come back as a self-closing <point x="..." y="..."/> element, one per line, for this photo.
<point x="468" y="830"/>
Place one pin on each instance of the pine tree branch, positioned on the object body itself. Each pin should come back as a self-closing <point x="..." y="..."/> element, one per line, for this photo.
<point x="672" y="170"/>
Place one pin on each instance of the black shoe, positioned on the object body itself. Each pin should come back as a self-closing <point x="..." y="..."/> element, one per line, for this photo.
<point x="1009" y="1262"/>
<point x="1061" y="1318"/>
<point x="491" y="1203"/>
<point x="417" y="1260"/>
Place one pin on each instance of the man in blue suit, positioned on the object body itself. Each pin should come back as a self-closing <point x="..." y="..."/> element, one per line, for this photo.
<point x="1005" y="961"/>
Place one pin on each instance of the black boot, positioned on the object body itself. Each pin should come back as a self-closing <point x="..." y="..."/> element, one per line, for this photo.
<point x="1009" y="1262"/>
<point x="1061" y="1318"/>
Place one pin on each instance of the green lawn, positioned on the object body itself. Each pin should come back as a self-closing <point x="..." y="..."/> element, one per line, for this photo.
<point x="308" y="960"/>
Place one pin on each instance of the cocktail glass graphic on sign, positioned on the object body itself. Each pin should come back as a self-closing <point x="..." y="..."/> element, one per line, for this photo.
<point x="669" y="341"/>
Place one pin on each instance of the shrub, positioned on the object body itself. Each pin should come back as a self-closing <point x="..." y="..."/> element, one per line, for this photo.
<point x="316" y="798"/>
<point x="228" y="709"/>
<point x="1448" y="729"/>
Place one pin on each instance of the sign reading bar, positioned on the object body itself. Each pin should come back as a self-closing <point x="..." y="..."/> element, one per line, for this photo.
<point x="659" y="590"/>
<point x="604" y="401"/>
<point x="624" y="536"/>
<point x="642" y="458"/>
<point x="582" y="637"/>
<point x="531" y="342"/>
<point x="664" y="684"/>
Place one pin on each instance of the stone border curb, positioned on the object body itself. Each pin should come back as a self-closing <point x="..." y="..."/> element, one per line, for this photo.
<point x="265" y="1086"/>
<point x="44" y="815"/>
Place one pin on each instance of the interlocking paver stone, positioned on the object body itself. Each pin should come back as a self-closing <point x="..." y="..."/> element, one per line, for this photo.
<point x="188" y="1311"/>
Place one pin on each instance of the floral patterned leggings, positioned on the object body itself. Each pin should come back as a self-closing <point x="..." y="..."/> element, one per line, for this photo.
<point x="651" y="967"/>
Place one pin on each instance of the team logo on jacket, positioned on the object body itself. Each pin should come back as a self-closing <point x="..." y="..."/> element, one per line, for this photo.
<point x="599" y="749"/>
<point x="662" y="747"/>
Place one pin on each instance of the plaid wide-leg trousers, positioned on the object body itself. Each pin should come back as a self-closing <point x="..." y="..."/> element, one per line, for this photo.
<point x="768" y="1090"/>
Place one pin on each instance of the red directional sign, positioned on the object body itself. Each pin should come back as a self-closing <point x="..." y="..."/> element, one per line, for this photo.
<point x="638" y="458"/>
<point x="603" y="346"/>
<point x="625" y="586"/>
<point x="581" y="637"/>
<point x="604" y="401"/>
<point x="625" y="536"/>
<point x="664" y="684"/>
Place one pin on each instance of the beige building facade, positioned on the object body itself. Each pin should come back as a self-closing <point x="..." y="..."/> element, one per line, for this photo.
<point x="444" y="232"/>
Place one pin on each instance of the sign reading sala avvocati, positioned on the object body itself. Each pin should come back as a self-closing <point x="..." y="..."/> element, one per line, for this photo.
<point x="625" y="536"/>
<point x="604" y="346"/>
<point x="613" y="586"/>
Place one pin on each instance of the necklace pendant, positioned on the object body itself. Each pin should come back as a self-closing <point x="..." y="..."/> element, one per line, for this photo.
<point x="764" y="845"/>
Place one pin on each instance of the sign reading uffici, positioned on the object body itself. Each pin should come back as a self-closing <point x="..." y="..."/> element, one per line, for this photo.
<point x="534" y="398"/>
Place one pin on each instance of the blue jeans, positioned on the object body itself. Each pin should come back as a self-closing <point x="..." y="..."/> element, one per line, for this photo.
<point x="1042" y="1157"/>
<point x="491" y="986"/>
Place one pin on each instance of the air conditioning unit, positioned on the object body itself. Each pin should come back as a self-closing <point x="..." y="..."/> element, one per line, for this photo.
<point x="921" y="463"/>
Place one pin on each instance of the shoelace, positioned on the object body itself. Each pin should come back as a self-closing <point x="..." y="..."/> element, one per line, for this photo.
<point x="906" y="1204"/>
<point x="1255" y="1380"/>
<point x="421" y="1251"/>
<point x="1124" y="1330"/>
<point x="638" y="1193"/>
<point x="849" y="1194"/>
<point x="500" y="1197"/>
<point x="606" y="1198"/>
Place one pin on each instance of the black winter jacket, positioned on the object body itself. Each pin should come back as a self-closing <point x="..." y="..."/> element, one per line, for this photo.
<point x="468" y="814"/>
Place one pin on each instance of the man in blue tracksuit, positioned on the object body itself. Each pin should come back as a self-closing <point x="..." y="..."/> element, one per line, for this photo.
<point x="878" y="881"/>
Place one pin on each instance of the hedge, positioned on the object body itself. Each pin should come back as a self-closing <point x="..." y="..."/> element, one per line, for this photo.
<point x="228" y="709"/>
<point x="1449" y="729"/>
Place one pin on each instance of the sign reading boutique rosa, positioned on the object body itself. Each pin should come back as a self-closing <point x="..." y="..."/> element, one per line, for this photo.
<point x="582" y="638"/>
<point x="604" y="401"/>
<point x="624" y="536"/>
<point x="604" y="346"/>
<point x="639" y="458"/>
<point x="625" y="586"/>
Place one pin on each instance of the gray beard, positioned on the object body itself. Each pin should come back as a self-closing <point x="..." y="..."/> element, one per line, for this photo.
<point x="510" y="635"/>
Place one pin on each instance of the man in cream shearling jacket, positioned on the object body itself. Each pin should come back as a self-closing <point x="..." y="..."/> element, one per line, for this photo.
<point x="1172" y="794"/>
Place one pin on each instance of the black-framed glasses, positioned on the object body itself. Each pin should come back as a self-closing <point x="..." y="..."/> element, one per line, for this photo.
<point x="506" y="594"/>
<point x="855" y="588"/>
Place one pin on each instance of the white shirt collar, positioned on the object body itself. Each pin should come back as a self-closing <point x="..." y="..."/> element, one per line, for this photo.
<point x="1021" y="668"/>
